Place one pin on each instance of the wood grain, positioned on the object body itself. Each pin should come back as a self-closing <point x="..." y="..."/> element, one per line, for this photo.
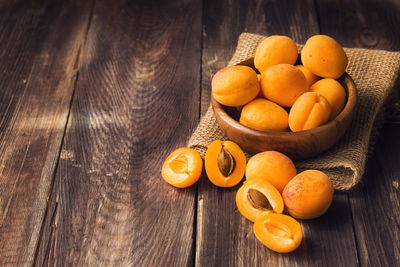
<point x="38" y="70"/>
<point x="137" y="99"/>
<point x="224" y="236"/>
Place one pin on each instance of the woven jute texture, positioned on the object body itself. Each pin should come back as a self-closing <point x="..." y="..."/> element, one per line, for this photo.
<point x="374" y="73"/>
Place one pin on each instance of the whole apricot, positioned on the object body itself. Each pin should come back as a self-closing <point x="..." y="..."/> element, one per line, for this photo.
<point x="309" y="111"/>
<point x="276" y="49"/>
<point x="278" y="232"/>
<point x="310" y="77"/>
<point x="333" y="91"/>
<point x="182" y="167"/>
<point x="264" y="115"/>
<point x="235" y="85"/>
<point x="308" y="195"/>
<point x="283" y="84"/>
<point x="225" y="163"/>
<point x="324" y="57"/>
<point x="271" y="166"/>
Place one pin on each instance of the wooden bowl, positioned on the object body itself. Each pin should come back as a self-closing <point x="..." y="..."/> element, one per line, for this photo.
<point x="297" y="145"/>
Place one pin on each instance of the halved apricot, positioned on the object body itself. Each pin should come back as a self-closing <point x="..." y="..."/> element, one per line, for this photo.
<point x="225" y="163"/>
<point x="182" y="168"/>
<point x="279" y="232"/>
<point x="257" y="198"/>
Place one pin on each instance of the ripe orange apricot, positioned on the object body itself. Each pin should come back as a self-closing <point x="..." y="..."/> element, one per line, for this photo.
<point x="283" y="84"/>
<point x="324" y="57"/>
<point x="333" y="91"/>
<point x="260" y="93"/>
<point x="264" y="115"/>
<point x="257" y="198"/>
<point x="235" y="85"/>
<point x="279" y="232"/>
<point x="309" y="111"/>
<point x="310" y="77"/>
<point x="182" y="167"/>
<point x="308" y="195"/>
<point x="276" y="49"/>
<point x="225" y="163"/>
<point x="271" y="166"/>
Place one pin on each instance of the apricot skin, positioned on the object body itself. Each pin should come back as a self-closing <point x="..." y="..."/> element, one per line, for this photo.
<point x="211" y="163"/>
<point x="283" y="84"/>
<point x="310" y="77"/>
<point x="182" y="167"/>
<point x="276" y="49"/>
<point x="324" y="57"/>
<point x="251" y="212"/>
<point x="264" y="115"/>
<point x="271" y="166"/>
<point x="278" y="232"/>
<point x="309" y="111"/>
<point x="308" y="195"/>
<point x="333" y="91"/>
<point x="235" y="85"/>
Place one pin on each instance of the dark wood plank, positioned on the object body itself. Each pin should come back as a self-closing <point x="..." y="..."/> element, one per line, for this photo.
<point x="375" y="202"/>
<point x="137" y="99"/>
<point x="40" y="49"/>
<point x="224" y="237"/>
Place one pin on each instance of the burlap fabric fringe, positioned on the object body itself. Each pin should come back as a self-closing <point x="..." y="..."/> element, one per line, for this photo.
<point x="374" y="73"/>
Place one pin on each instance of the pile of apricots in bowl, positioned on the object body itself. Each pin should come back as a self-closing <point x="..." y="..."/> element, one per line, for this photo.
<point x="283" y="97"/>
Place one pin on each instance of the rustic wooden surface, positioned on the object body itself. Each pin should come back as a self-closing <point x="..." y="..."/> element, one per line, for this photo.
<point x="95" y="94"/>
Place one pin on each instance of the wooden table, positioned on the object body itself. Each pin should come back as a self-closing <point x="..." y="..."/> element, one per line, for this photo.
<point x="95" y="94"/>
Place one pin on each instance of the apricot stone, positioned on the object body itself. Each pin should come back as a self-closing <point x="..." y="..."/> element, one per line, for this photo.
<point x="333" y="91"/>
<point x="283" y="84"/>
<point x="264" y="115"/>
<point x="271" y="166"/>
<point x="276" y="49"/>
<point x="309" y="111"/>
<point x="235" y="85"/>
<point x="310" y="77"/>
<point x="308" y="195"/>
<point x="324" y="57"/>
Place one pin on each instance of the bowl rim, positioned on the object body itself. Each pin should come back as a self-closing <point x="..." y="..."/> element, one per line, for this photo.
<point x="345" y="80"/>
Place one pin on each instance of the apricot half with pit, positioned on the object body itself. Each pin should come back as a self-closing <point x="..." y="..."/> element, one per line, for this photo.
<point x="225" y="163"/>
<point x="182" y="167"/>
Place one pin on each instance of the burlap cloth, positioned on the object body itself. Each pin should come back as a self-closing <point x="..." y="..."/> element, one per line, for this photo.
<point x="374" y="73"/>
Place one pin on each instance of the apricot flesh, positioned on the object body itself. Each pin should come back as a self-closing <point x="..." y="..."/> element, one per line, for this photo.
<point x="264" y="115"/>
<point x="257" y="198"/>
<point x="333" y="91"/>
<point x="308" y="195"/>
<point x="324" y="57"/>
<point x="182" y="167"/>
<point x="235" y="85"/>
<point x="276" y="49"/>
<point x="283" y="84"/>
<point x="225" y="163"/>
<point x="279" y="232"/>
<point x="310" y="77"/>
<point x="271" y="166"/>
<point x="309" y="111"/>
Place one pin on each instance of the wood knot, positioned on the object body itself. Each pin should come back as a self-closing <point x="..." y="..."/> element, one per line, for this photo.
<point x="368" y="38"/>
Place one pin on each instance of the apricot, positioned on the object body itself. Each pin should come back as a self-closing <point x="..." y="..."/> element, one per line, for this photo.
<point x="278" y="232"/>
<point x="308" y="195"/>
<point x="309" y="111"/>
<point x="283" y="84"/>
<point x="264" y="115"/>
<point x="257" y="198"/>
<point x="225" y="163"/>
<point x="271" y="166"/>
<point x="324" y="57"/>
<point x="276" y="49"/>
<point x="260" y="93"/>
<point x="333" y="91"/>
<point x="310" y="77"/>
<point x="235" y="85"/>
<point x="182" y="167"/>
